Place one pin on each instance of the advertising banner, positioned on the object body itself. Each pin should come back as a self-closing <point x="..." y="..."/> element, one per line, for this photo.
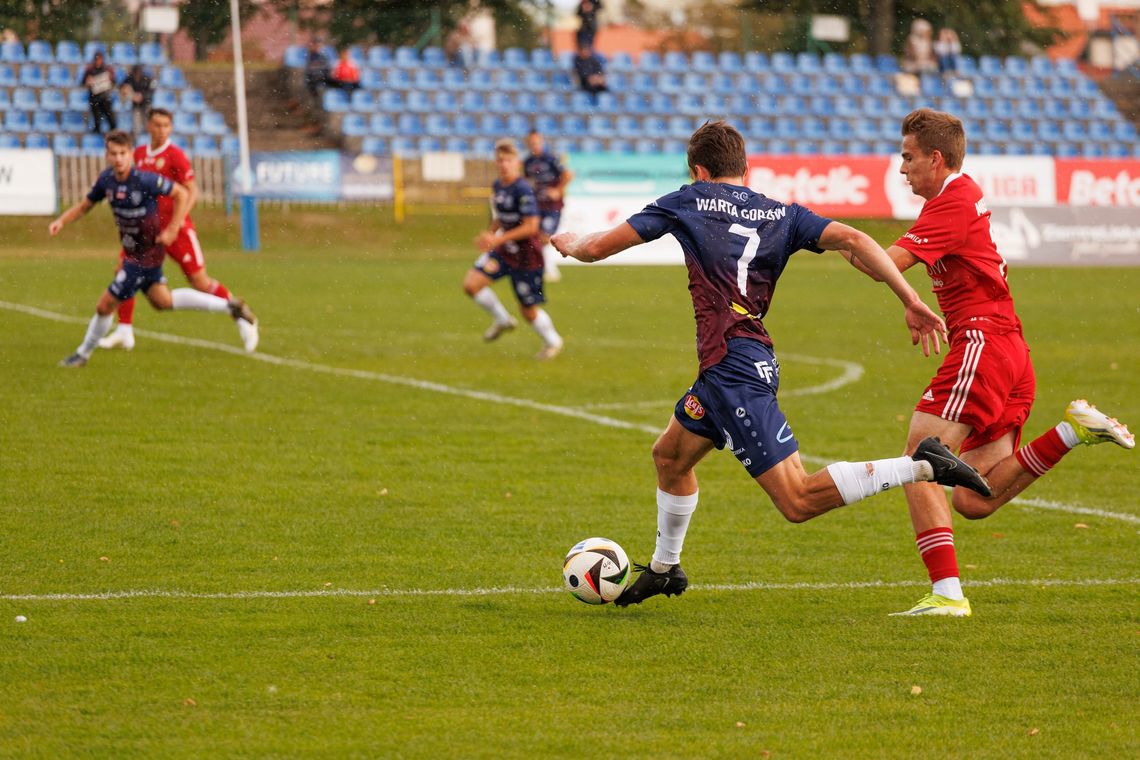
<point x="1068" y="235"/>
<point x="1098" y="183"/>
<point x="311" y="176"/>
<point x="366" y="177"/>
<point x="27" y="183"/>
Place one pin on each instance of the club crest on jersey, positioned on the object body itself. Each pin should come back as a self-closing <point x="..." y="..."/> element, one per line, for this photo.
<point x="158" y="164"/>
<point x="693" y="407"/>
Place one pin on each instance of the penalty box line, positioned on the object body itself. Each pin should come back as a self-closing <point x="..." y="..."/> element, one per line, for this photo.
<point x="495" y="398"/>
<point x="520" y="591"/>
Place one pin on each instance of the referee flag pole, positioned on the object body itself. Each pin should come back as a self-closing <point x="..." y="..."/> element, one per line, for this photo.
<point x="250" y="234"/>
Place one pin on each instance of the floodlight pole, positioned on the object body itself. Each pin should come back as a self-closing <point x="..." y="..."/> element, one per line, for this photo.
<point x="250" y="235"/>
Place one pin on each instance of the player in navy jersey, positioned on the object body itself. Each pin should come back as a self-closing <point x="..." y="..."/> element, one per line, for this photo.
<point x="511" y="249"/>
<point x="736" y="244"/>
<point x="549" y="179"/>
<point x="133" y="197"/>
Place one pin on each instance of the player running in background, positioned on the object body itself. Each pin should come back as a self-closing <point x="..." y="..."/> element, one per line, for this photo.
<point x="736" y="244"/>
<point x="510" y="248"/>
<point x="133" y="196"/>
<point x="164" y="157"/>
<point x="549" y="179"/>
<point x="981" y="395"/>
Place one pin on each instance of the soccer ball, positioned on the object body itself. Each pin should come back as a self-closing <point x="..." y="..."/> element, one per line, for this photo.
<point x="595" y="570"/>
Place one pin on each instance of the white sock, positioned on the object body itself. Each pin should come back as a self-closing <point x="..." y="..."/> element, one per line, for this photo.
<point x="858" y="480"/>
<point x="1068" y="435"/>
<point x="96" y="329"/>
<point x="673" y="515"/>
<point x="544" y="326"/>
<point x="126" y="328"/>
<point x="489" y="301"/>
<point x="195" y="300"/>
<point x="951" y="588"/>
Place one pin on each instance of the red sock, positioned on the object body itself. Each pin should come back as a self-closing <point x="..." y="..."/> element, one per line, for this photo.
<point x="218" y="289"/>
<point x="1043" y="453"/>
<point x="937" y="549"/>
<point x="127" y="312"/>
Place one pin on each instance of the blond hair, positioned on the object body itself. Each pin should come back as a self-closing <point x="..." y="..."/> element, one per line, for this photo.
<point x="506" y="146"/>
<point x="938" y="131"/>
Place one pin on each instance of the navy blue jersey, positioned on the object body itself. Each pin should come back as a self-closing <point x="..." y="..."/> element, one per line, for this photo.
<point x="736" y="243"/>
<point x="513" y="202"/>
<point x="544" y="171"/>
<point x="134" y="202"/>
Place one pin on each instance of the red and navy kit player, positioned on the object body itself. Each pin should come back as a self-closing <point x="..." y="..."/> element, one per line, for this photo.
<point x="511" y="249"/>
<point x="133" y="196"/>
<point x="981" y="396"/>
<point x="549" y="179"/>
<point x="736" y="244"/>
<point x="163" y="157"/>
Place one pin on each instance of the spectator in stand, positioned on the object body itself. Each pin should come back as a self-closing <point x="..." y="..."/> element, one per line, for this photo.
<point x="918" y="52"/>
<point x="99" y="79"/>
<point x="346" y="74"/>
<point x="588" y="29"/>
<point x="459" y="47"/>
<point x="138" y="89"/>
<point x="591" y="72"/>
<point x="316" y="69"/>
<point x="947" y="49"/>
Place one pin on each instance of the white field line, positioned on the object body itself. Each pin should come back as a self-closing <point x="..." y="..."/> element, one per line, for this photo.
<point x="520" y="591"/>
<point x="566" y="411"/>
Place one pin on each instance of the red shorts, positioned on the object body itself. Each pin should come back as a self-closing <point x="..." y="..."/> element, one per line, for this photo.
<point x="986" y="382"/>
<point x="186" y="250"/>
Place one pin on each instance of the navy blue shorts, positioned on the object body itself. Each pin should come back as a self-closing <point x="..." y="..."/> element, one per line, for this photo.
<point x="733" y="404"/>
<point x="527" y="283"/>
<point x="548" y="221"/>
<point x="133" y="278"/>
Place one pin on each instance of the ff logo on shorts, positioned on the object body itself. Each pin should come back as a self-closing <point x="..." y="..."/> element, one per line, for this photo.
<point x="693" y="407"/>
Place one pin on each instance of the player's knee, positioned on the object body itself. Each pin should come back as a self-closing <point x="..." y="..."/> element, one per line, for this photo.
<point x="970" y="505"/>
<point x="794" y="509"/>
<point x="666" y="460"/>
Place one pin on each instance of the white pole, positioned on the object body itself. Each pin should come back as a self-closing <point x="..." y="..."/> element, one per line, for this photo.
<point x="239" y="91"/>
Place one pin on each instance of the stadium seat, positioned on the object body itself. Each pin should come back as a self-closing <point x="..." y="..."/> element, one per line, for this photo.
<point x="53" y="100"/>
<point x="573" y="125"/>
<point x="457" y="145"/>
<point x="25" y="99"/>
<point x="540" y="58"/>
<point x="65" y="144"/>
<point x="428" y="144"/>
<point x="499" y="101"/>
<point x="67" y="51"/>
<point x="515" y="58"/>
<point x="680" y="127"/>
<point x="296" y="56"/>
<point x="182" y="141"/>
<point x="433" y="56"/>
<point x="1016" y="66"/>
<point x="676" y="61"/>
<point x="354" y="125"/>
<point x="90" y="143"/>
<point x="491" y="125"/>
<point x="438" y="125"/>
<point x="1079" y="109"/>
<point x="690" y="103"/>
<point x="482" y="146"/>
<point x="526" y="102"/>
<point x="1101" y="131"/>
<point x="335" y="101"/>
<point x="371" y="79"/>
<point x="647" y="61"/>
<point x="821" y="105"/>
<point x="382" y="124"/>
<point x="1066" y="67"/>
<point x="172" y="78"/>
<point x="445" y="101"/>
<point x="402" y="145"/>
<point x="379" y="56"/>
<point x="1022" y="130"/>
<point x="77" y="99"/>
<point x="834" y="63"/>
<point x="1091" y="150"/>
<point x="361" y="101"/>
<point x="600" y="126"/>
<point x="618" y="145"/>
<point x="1074" y="131"/>
<point x="12" y="52"/>
<point x="560" y="80"/>
<point x="186" y="123"/>
<point x="398" y="79"/>
<point x="654" y="127"/>
<point x="45" y="121"/>
<point x="851" y="84"/>
<point x="465" y="125"/>
<point x="192" y="100"/>
<point x="32" y="75"/>
<point x="40" y="51"/>
<point x="73" y="121"/>
<point x="990" y="66"/>
<point x="151" y="54"/>
<point x="427" y="79"/>
<point x="1103" y="108"/>
<point x="9" y="141"/>
<point x="409" y="125"/>
<point x="206" y="146"/>
<point x="165" y="99"/>
<point x="36" y="141"/>
<point x="886" y="64"/>
<point x="377" y="146"/>
<point x="1125" y="131"/>
<point x="860" y="63"/>
<point x="5" y="100"/>
<point x="1003" y="109"/>
<point x="474" y="102"/>
<point x="91" y="48"/>
<point x="756" y="62"/>
<point x="839" y="129"/>
<point x="545" y="123"/>
<point x="728" y="62"/>
<point x="8" y="76"/>
<point x="59" y="75"/>
<point x="406" y="57"/>
<point x="480" y="79"/>
<point x="123" y="54"/>
<point x="1118" y="150"/>
<point x="391" y="101"/>
<point x="518" y="124"/>
<point x="703" y="60"/>
<point x="230" y="145"/>
<point x="808" y="63"/>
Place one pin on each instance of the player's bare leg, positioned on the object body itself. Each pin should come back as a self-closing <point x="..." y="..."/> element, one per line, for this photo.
<point x="543" y="325"/>
<point x="478" y="286"/>
<point x="244" y="318"/>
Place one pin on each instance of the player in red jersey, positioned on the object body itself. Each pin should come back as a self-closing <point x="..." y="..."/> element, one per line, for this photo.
<point x="981" y="395"/>
<point x="164" y="158"/>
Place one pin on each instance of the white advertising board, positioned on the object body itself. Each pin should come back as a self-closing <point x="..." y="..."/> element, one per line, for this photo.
<point x="27" y="183"/>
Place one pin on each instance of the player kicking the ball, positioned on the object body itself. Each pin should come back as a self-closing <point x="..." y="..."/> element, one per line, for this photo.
<point x="981" y="396"/>
<point x="133" y="196"/>
<point x="164" y="157"/>
<point x="510" y="248"/>
<point x="736" y="244"/>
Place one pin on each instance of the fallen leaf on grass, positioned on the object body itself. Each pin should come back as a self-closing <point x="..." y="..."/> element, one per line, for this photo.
<point x="915" y="690"/>
<point x="1080" y="525"/>
<point x="371" y="601"/>
<point x="998" y="535"/>
<point x="739" y="724"/>
<point x="1034" y="731"/>
<point x="104" y="559"/>
<point x="190" y="702"/>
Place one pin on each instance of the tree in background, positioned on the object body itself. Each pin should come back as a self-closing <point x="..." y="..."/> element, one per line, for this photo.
<point x="207" y="22"/>
<point x="50" y="20"/>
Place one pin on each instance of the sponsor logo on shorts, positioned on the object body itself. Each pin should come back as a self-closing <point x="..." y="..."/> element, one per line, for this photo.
<point x="780" y="433"/>
<point x="928" y="395"/>
<point x="693" y="407"/>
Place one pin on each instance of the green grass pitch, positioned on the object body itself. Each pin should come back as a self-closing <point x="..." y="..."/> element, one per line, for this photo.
<point x="411" y="491"/>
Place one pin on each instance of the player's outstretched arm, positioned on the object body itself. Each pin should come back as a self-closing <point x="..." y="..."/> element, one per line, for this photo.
<point x="866" y="255"/>
<point x="181" y="198"/>
<point x="596" y="245"/>
<point x="69" y="216"/>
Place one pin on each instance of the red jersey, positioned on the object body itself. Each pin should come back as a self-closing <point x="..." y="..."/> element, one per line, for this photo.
<point x="952" y="237"/>
<point x="172" y="163"/>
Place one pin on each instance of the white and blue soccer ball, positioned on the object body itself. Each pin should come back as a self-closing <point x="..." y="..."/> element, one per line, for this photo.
<point x="596" y="570"/>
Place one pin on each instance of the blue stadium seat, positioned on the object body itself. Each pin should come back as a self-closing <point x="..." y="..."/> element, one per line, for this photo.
<point x="859" y="148"/>
<point x="758" y="128"/>
<point x="371" y="79"/>
<point x="192" y="100"/>
<point x="1016" y="66"/>
<point x="1118" y="150"/>
<point x="491" y="125"/>
<point x="230" y="145"/>
<point x="518" y="124"/>
<point x="427" y="79"/>
<point x="25" y="99"/>
<point x="1125" y="131"/>
<point x="31" y="75"/>
<point x="1074" y="131"/>
<point x="737" y="105"/>
<point x="36" y="141"/>
<point x="402" y="145"/>
<point x="1091" y="150"/>
<point x="839" y="129"/>
<point x="516" y="58"/>
<point x="438" y="125"/>
<point x="676" y="61"/>
<point x="535" y="80"/>
<point x="886" y="64"/>
<point x="645" y="147"/>
<point x="418" y="101"/>
<point x="861" y="63"/>
<point x="1048" y="131"/>
<point x="545" y="123"/>
<point x="53" y="100"/>
<point x="573" y="125"/>
<point x="540" y="58"/>
<point x="619" y="145"/>
<point x="383" y="124"/>
<point x="433" y="56"/>
<point x="90" y="143"/>
<point x="206" y="146"/>
<point x="526" y="102"/>
<point x="482" y="146"/>
<point x="91" y="48"/>
<point x="1040" y="65"/>
<point x="67" y="51"/>
<point x="990" y="66"/>
<point x="73" y="121"/>
<point x="680" y="127"/>
<point x="1079" y="109"/>
<point x="647" y="61"/>
<point x="376" y="146"/>
<point x="45" y="121"/>
<point x="406" y="57"/>
<point x="398" y="79"/>
<point x="5" y="99"/>
<point x="296" y="56"/>
<point x="379" y="56"/>
<point x="77" y="99"/>
<point x="1022" y="130"/>
<point x="362" y="101"/>
<point x="821" y="105"/>
<point x="151" y="54"/>
<point x="783" y="62"/>
<point x="335" y="101"/>
<point x="654" y="126"/>
<point x="39" y="51"/>
<point x="1003" y="109"/>
<point x="499" y="101"/>
<point x="65" y="145"/>
<point x="409" y="125"/>
<point x="457" y="145"/>
<point x="756" y="62"/>
<point x="1066" y="150"/>
<point x="690" y="103"/>
<point x="12" y="52"/>
<point x="445" y="101"/>
<point x="428" y="144"/>
<point x="1066" y="67"/>
<point x="967" y="66"/>
<point x="354" y="125"/>
<point x="172" y="78"/>
<point x="59" y="75"/>
<point x="186" y="123"/>
<point x="600" y="126"/>
<point x="834" y="63"/>
<point x="808" y="63"/>
<point x="465" y="125"/>
<point x="9" y="141"/>
<point x="1103" y="108"/>
<point x="480" y="79"/>
<point x="1034" y="87"/>
<point x="165" y="99"/>
<point x="124" y="54"/>
<point x="1101" y="131"/>
<point x="997" y="130"/>
<point x="474" y="102"/>
<point x="8" y="76"/>
<point x="703" y="60"/>
<point x="728" y="62"/>
<point x="851" y="84"/>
